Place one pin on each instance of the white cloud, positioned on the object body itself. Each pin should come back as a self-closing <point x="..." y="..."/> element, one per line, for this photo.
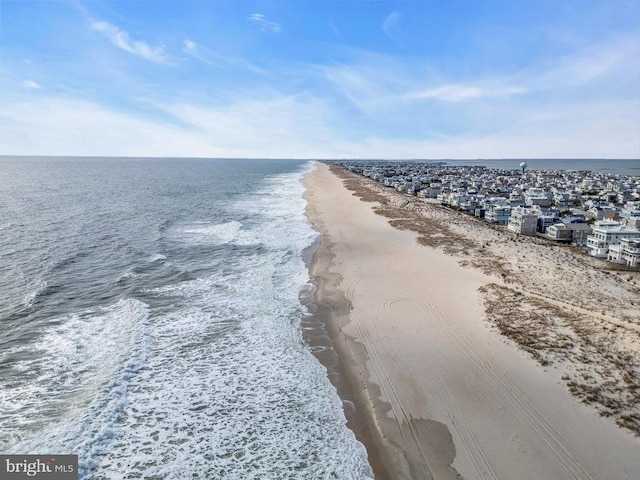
<point x="370" y="81"/>
<point x="278" y="127"/>
<point x="355" y="85"/>
<point x="605" y="65"/>
<point x="121" y="39"/>
<point x="265" y="25"/>
<point x="335" y="30"/>
<point x="390" y="26"/>
<point x="305" y="127"/>
<point x="30" y="84"/>
<point x="205" y="55"/>
<point x="190" y="47"/>
<point x="461" y="93"/>
<point x="401" y="111"/>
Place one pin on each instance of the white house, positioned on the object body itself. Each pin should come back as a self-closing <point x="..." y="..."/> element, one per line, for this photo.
<point x="626" y="252"/>
<point x="537" y="196"/>
<point x="607" y="233"/>
<point x="523" y="221"/>
<point x="630" y="217"/>
<point x="498" y="214"/>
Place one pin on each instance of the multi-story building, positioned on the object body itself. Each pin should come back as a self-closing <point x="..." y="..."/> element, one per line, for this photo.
<point x="498" y="214"/>
<point x="626" y="252"/>
<point x="558" y="233"/>
<point x="579" y="232"/>
<point x="607" y="233"/>
<point x="562" y="199"/>
<point x="523" y="221"/>
<point x="602" y="212"/>
<point x="537" y="196"/>
<point x="433" y="190"/>
<point x="630" y="217"/>
<point x="546" y="218"/>
<point x="568" y="232"/>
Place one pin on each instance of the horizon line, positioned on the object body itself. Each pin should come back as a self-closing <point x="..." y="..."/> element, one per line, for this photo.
<point x="317" y="158"/>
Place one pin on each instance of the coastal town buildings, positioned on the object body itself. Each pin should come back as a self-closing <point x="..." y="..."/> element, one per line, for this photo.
<point x="597" y="211"/>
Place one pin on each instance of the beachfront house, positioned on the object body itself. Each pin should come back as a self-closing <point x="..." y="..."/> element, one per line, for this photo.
<point x="498" y="214"/>
<point x="580" y="231"/>
<point x="607" y="233"/>
<point x="546" y="218"/>
<point x="558" y="233"/>
<point x="627" y="252"/>
<point x="523" y="221"/>
<point x="433" y="190"/>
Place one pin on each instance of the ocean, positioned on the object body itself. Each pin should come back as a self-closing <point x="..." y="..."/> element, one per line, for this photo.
<point x="151" y="321"/>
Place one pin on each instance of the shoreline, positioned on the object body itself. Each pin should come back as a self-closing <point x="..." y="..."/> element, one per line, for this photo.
<point x="419" y="424"/>
<point x="328" y="309"/>
<point x="381" y="436"/>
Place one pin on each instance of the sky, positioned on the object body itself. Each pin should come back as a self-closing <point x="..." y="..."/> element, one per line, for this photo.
<point x="432" y="79"/>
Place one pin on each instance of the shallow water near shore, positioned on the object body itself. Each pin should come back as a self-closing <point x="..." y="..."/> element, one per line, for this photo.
<point x="152" y="321"/>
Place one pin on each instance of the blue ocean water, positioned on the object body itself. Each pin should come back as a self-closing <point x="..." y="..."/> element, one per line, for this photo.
<point x="150" y="321"/>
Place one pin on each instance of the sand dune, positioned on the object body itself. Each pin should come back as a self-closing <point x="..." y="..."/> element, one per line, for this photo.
<point x="445" y="394"/>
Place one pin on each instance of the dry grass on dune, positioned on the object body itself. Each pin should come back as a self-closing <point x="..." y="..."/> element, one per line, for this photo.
<point x="601" y="361"/>
<point x="404" y="214"/>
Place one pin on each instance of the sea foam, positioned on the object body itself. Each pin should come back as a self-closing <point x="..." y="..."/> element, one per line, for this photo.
<point x="230" y="390"/>
<point x="209" y="377"/>
<point x="79" y="369"/>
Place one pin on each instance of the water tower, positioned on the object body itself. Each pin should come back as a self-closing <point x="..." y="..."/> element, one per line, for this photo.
<point x="523" y="165"/>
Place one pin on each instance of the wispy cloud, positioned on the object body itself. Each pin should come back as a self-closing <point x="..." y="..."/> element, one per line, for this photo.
<point x="605" y="64"/>
<point x="191" y="48"/>
<point x="283" y="126"/>
<point x="265" y="25"/>
<point x="461" y="93"/>
<point x="369" y="80"/>
<point x="390" y="26"/>
<point x="335" y="30"/>
<point x="210" y="57"/>
<point x="121" y="39"/>
<point x="304" y="127"/>
<point x="30" y="84"/>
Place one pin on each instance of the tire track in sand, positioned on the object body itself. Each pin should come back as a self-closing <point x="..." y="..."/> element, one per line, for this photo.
<point x="385" y="383"/>
<point x="479" y="461"/>
<point x="505" y="388"/>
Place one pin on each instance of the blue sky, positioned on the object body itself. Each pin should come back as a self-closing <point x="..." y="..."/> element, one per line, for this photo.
<point x="321" y="79"/>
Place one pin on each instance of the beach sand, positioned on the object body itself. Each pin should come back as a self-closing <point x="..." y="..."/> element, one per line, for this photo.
<point x="443" y="387"/>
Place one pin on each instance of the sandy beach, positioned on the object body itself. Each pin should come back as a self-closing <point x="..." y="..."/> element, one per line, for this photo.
<point x="470" y="353"/>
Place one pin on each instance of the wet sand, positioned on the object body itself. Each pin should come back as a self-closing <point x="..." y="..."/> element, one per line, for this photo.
<point x="437" y="392"/>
